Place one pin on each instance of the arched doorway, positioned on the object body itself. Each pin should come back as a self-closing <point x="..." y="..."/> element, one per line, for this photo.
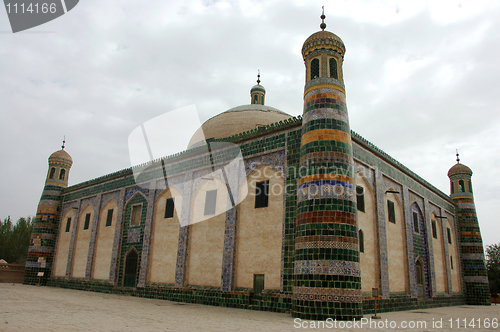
<point x="130" y="269"/>
<point x="419" y="269"/>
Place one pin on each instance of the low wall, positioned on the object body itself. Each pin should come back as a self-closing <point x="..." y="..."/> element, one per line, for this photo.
<point x="11" y="273"/>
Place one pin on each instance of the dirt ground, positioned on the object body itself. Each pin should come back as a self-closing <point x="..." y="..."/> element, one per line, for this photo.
<point x="39" y="309"/>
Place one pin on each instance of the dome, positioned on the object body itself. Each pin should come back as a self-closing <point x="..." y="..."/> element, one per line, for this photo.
<point x="237" y="120"/>
<point x="61" y="154"/>
<point x="322" y="35"/>
<point x="257" y="87"/>
<point x="323" y="40"/>
<point x="459" y="168"/>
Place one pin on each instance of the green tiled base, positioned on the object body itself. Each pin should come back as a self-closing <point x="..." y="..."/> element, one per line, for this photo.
<point x="403" y="303"/>
<point x="242" y="298"/>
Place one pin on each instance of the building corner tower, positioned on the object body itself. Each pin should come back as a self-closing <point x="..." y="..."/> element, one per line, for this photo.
<point x="46" y="222"/>
<point x="474" y="272"/>
<point x="327" y="269"/>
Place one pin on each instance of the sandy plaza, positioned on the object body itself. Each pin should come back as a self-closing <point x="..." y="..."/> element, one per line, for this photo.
<point x="31" y="308"/>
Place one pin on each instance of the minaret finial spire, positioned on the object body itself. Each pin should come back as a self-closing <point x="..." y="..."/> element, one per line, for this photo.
<point x="323" y="24"/>
<point x="458" y="159"/>
<point x="258" y="76"/>
<point x="64" y="142"/>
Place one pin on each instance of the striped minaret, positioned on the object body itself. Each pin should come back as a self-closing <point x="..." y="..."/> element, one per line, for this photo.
<point x="327" y="268"/>
<point x="46" y="222"/>
<point x="474" y="272"/>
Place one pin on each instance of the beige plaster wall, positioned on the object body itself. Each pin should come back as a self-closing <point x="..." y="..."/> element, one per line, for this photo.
<point x="396" y="247"/>
<point x="369" y="259"/>
<point x="453" y="251"/>
<point x="165" y="239"/>
<point x="206" y="238"/>
<point x="82" y="240"/>
<point x="61" y="259"/>
<point x="439" y="260"/>
<point x="104" y="242"/>
<point x="259" y="232"/>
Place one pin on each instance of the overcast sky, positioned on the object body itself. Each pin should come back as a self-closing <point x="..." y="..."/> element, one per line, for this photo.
<point x="422" y="79"/>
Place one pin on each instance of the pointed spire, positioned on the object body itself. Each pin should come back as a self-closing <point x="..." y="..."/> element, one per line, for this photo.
<point x="323" y="24"/>
<point x="258" y="76"/>
<point x="458" y="159"/>
<point x="64" y="142"/>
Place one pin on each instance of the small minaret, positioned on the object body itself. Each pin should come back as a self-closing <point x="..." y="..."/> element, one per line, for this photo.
<point x="474" y="272"/>
<point x="258" y="93"/>
<point x="327" y="269"/>
<point x="46" y="222"/>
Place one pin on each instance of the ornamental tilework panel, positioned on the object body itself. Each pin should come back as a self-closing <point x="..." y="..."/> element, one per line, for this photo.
<point x="146" y="244"/>
<point x="409" y="243"/>
<point x="380" y="189"/>
<point x="430" y="251"/>
<point x="421" y="248"/>
<point x="117" y="242"/>
<point x="227" y="282"/>
<point x="137" y="199"/>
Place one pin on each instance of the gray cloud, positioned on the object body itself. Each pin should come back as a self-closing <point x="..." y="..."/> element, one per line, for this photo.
<point x="418" y="86"/>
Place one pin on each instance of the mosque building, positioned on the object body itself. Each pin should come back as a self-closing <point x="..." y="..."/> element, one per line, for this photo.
<point x="309" y="222"/>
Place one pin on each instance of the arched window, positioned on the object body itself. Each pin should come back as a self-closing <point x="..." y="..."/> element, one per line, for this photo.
<point x="333" y="68"/>
<point x="420" y="272"/>
<point x="470" y="186"/>
<point x="434" y="229"/>
<point x="360" y="198"/>
<point x="52" y="172"/>
<point x="461" y="186"/>
<point x="314" y="68"/>
<point x="62" y="173"/>
<point x="262" y="100"/>
<point x="361" y="238"/>
<point x="452" y="188"/>
<point x="255" y="99"/>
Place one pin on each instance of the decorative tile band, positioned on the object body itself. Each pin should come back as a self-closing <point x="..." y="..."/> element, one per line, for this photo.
<point x="328" y="298"/>
<point x="342" y="268"/>
<point x="466" y="205"/>
<point x="337" y="217"/>
<point x="326" y="291"/>
<point x="312" y="93"/>
<point x="321" y="157"/>
<point x="329" y="238"/>
<point x="326" y="244"/>
<point x="326" y="113"/>
<point x="476" y="279"/>
<point x="331" y="177"/>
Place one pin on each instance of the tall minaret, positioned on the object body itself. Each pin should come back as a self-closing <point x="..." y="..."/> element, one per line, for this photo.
<point x="474" y="272"/>
<point x="327" y="268"/>
<point x="46" y="222"/>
